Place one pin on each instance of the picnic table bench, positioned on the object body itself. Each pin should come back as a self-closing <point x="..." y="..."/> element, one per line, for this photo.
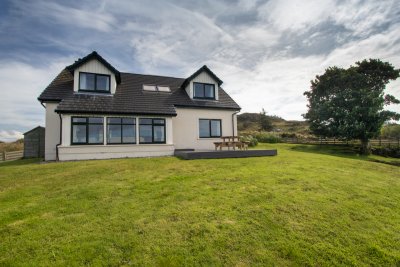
<point x="231" y="141"/>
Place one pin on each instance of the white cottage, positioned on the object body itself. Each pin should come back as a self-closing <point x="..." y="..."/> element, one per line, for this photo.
<point x="93" y="111"/>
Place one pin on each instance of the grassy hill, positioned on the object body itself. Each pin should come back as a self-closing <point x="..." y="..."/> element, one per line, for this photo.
<point x="12" y="146"/>
<point x="250" y="122"/>
<point x="302" y="207"/>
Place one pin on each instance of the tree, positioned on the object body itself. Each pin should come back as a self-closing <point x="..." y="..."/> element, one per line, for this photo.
<point x="265" y="123"/>
<point x="391" y="131"/>
<point x="349" y="103"/>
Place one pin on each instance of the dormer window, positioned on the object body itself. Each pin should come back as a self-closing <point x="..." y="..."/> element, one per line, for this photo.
<point x="93" y="82"/>
<point x="203" y="91"/>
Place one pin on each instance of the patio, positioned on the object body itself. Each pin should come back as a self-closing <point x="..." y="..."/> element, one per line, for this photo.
<point x="221" y="154"/>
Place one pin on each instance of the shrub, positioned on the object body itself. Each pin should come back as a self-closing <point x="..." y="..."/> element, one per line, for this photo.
<point x="268" y="138"/>
<point x="249" y="138"/>
<point x="393" y="152"/>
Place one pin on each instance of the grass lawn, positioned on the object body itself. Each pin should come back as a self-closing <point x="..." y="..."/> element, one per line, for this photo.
<point x="302" y="207"/>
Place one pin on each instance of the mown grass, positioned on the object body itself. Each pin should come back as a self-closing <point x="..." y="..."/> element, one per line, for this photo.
<point x="298" y="208"/>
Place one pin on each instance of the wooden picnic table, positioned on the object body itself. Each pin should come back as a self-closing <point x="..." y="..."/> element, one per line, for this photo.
<point x="231" y="141"/>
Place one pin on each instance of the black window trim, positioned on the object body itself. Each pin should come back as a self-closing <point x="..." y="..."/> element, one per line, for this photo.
<point x="87" y="130"/>
<point x="95" y="83"/>
<point x="209" y="121"/>
<point x="208" y="98"/>
<point x="121" y="124"/>
<point x="152" y="130"/>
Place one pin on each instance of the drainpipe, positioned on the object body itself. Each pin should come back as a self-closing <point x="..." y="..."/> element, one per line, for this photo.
<point x="57" y="158"/>
<point x="233" y="122"/>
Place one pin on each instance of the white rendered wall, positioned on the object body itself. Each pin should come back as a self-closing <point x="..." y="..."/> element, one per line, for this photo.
<point x="186" y="127"/>
<point x="94" y="66"/>
<point x="203" y="77"/>
<point x="52" y="132"/>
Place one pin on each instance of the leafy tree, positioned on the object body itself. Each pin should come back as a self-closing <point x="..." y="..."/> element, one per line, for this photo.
<point x="391" y="131"/>
<point x="349" y="103"/>
<point x="265" y="122"/>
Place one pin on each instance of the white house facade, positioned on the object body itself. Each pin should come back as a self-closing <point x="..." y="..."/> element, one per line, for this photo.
<point x="95" y="112"/>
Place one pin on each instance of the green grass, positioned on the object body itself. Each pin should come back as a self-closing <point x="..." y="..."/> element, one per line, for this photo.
<point x="302" y="207"/>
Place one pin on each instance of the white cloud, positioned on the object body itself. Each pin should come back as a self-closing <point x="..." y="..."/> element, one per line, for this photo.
<point x="9" y="136"/>
<point x="89" y="18"/>
<point x="21" y="85"/>
<point x="295" y="15"/>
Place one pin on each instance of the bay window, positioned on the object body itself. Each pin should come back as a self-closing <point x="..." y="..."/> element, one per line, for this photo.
<point x="151" y="131"/>
<point x="121" y="130"/>
<point x="87" y="130"/>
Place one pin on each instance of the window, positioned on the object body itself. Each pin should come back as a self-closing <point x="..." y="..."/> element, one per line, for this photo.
<point x="152" y="131"/>
<point x="204" y="91"/>
<point x="155" y="88"/>
<point x="92" y="82"/>
<point x="121" y="130"/>
<point x="209" y="128"/>
<point x="87" y="130"/>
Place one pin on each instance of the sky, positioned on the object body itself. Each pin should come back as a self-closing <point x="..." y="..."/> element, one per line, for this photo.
<point x="266" y="52"/>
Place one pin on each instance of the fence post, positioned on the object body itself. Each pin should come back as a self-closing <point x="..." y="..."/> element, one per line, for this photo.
<point x="398" y="142"/>
<point x="4" y="155"/>
<point x="380" y="141"/>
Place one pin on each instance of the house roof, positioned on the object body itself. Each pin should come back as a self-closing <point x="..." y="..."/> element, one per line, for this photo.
<point x="129" y="97"/>
<point x="95" y="55"/>
<point x="34" y="129"/>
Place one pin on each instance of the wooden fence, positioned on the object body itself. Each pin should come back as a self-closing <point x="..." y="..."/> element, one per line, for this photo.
<point x="395" y="143"/>
<point x="13" y="155"/>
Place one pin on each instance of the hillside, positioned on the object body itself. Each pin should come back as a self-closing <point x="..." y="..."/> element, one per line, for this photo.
<point x="250" y="122"/>
<point x="12" y="146"/>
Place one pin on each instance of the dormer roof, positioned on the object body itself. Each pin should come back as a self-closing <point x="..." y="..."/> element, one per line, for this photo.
<point x="95" y="55"/>
<point x="205" y="69"/>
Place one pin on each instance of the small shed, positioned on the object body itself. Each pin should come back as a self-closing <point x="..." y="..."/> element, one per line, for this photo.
<point x="34" y="143"/>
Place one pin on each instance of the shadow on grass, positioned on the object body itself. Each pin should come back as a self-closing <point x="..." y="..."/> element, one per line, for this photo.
<point x="19" y="162"/>
<point x="344" y="151"/>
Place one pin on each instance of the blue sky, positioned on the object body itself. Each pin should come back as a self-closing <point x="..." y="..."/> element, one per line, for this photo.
<point x="266" y="52"/>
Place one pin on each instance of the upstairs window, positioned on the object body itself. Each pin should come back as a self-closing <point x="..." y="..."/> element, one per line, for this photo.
<point x="92" y="82"/>
<point x="204" y="91"/>
<point x="87" y="130"/>
<point x="156" y="88"/>
<point x="209" y="128"/>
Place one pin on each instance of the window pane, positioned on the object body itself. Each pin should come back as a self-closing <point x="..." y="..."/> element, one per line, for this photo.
<point x="103" y="82"/>
<point x="79" y="134"/>
<point x="198" y="90"/>
<point x="204" y="126"/>
<point x="86" y="81"/>
<point x="158" y="121"/>
<point x="114" y="120"/>
<point x="145" y="134"/>
<point x="79" y="120"/>
<point x="163" y="88"/>
<point x="149" y="87"/>
<point x="95" y="120"/>
<point x="114" y="134"/>
<point x="129" y="133"/>
<point x="209" y="90"/>
<point x="95" y="134"/>
<point x="128" y="120"/>
<point x="215" y="128"/>
<point x="159" y="134"/>
<point x="146" y="121"/>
